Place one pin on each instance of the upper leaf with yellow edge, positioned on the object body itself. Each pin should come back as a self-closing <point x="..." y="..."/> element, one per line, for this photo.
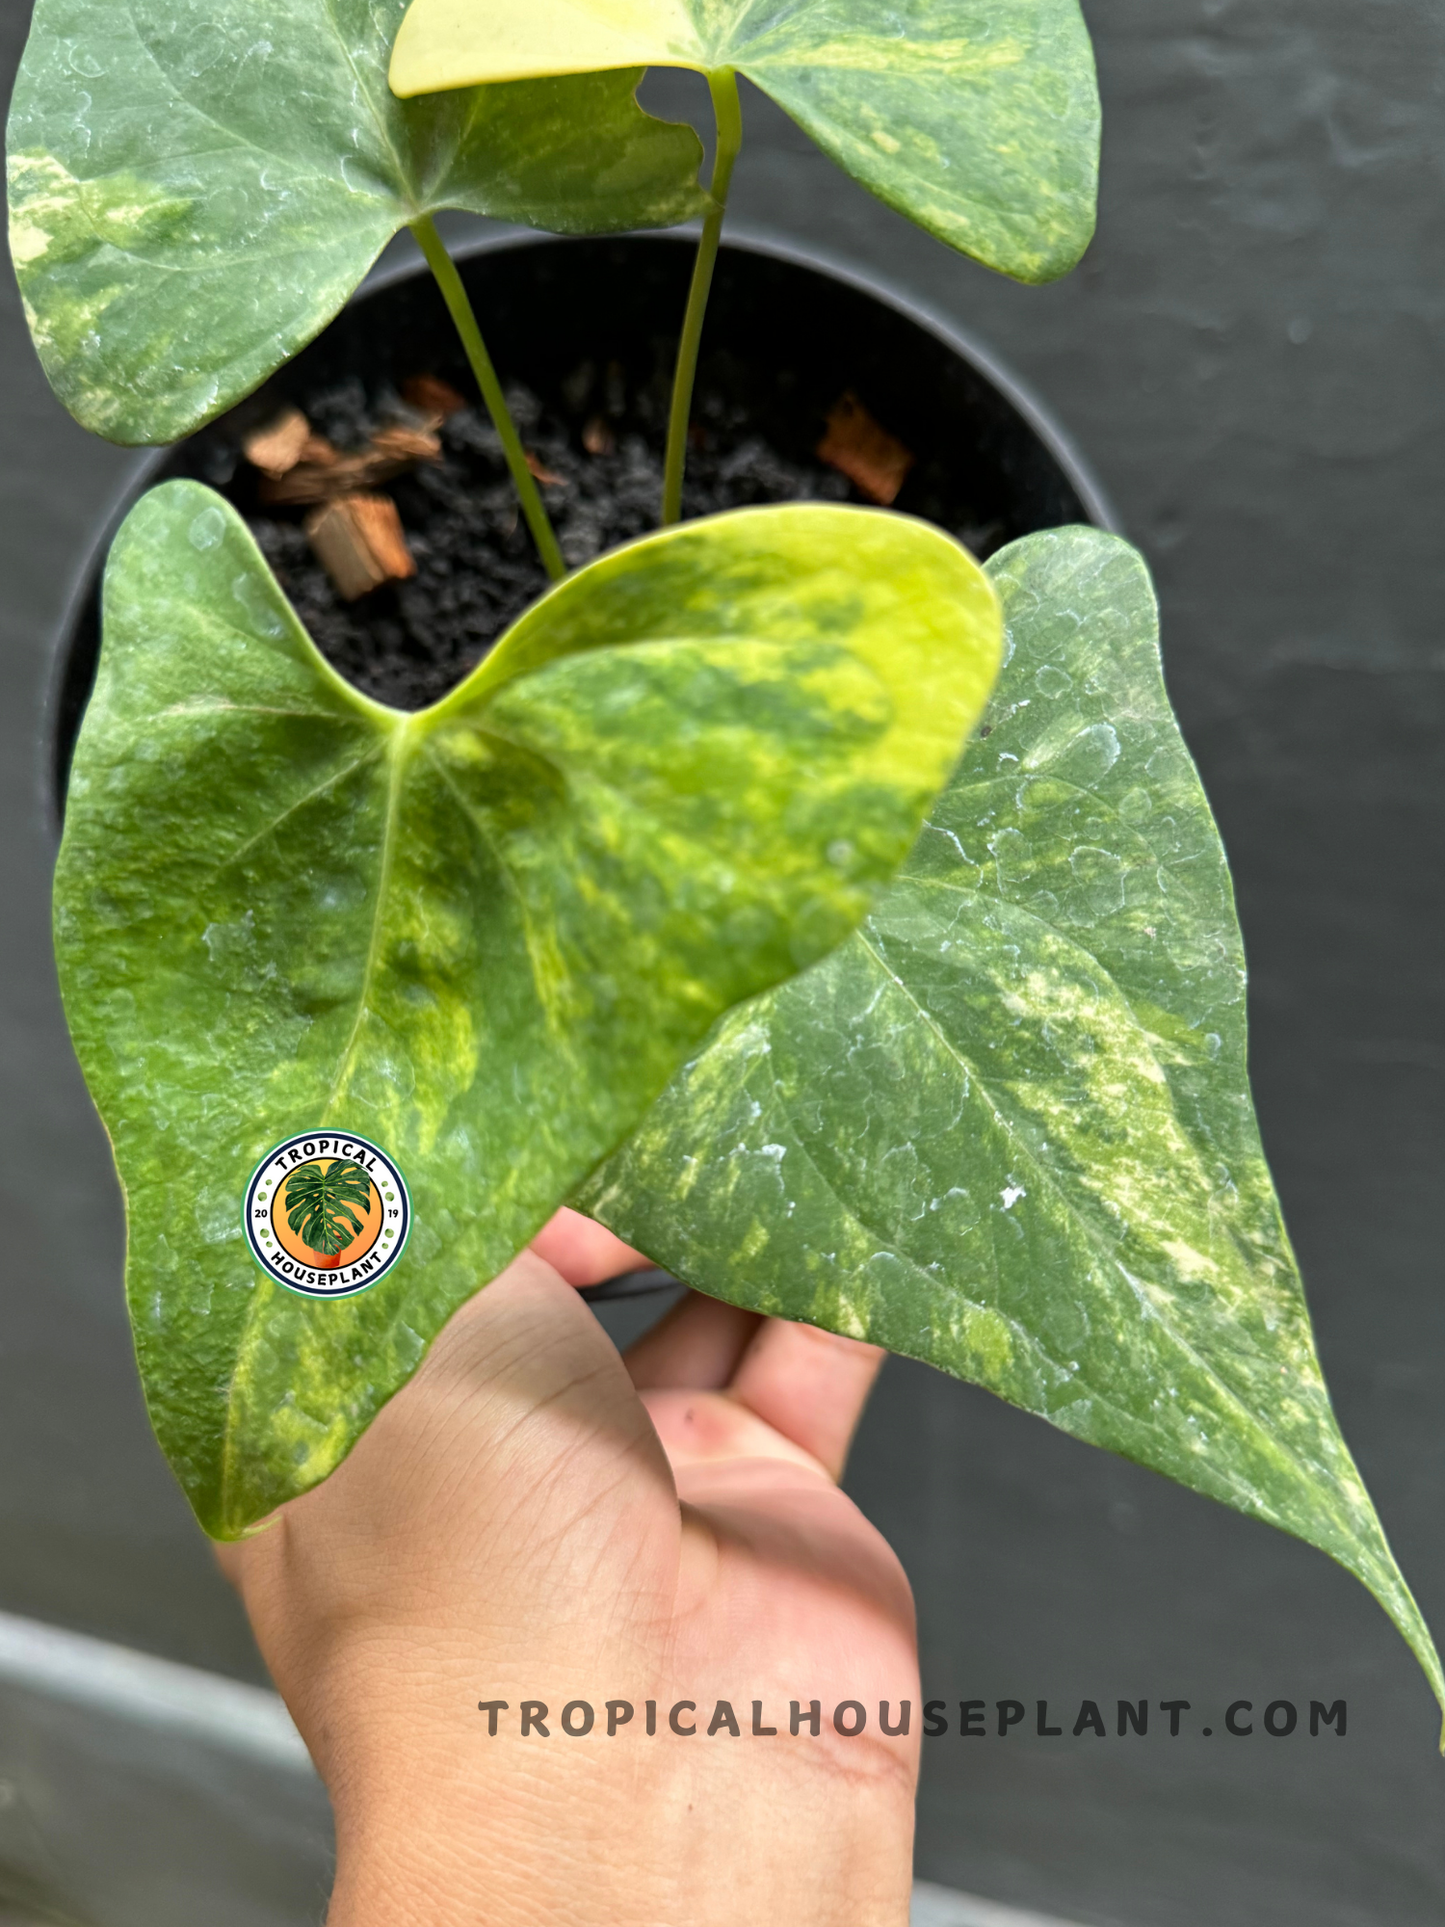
<point x="979" y="119"/>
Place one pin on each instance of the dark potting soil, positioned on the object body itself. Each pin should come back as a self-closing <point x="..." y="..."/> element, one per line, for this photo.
<point x="477" y="569"/>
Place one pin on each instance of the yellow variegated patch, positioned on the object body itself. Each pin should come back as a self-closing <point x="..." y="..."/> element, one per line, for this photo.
<point x="458" y="43"/>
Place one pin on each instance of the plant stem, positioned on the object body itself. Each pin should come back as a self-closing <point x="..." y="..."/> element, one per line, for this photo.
<point x="460" y="308"/>
<point x="729" y="111"/>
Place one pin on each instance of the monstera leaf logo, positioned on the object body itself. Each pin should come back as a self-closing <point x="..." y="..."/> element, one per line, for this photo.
<point x="322" y="1202"/>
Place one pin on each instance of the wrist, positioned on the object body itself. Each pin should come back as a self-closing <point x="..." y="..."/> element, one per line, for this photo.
<point x="625" y="1838"/>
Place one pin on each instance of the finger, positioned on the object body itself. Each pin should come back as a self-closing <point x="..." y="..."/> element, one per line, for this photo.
<point x="584" y="1251"/>
<point x="810" y="1385"/>
<point x="696" y="1347"/>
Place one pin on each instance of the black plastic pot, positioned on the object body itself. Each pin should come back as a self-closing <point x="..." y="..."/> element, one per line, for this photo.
<point x="786" y="337"/>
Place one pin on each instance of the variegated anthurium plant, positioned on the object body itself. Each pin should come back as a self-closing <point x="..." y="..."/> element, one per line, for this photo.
<point x="841" y="922"/>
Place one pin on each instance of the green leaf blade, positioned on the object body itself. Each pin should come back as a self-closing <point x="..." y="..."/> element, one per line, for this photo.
<point x="1006" y="1128"/>
<point x="192" y="200"/>
<point x="483" y="936"/>
<point x="978" y="121"/>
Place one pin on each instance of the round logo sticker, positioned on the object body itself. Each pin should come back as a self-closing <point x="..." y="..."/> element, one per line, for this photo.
<point x="327" y="1215"/>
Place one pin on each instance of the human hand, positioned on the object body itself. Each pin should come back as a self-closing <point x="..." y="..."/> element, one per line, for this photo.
<point x="535" y="1518"/>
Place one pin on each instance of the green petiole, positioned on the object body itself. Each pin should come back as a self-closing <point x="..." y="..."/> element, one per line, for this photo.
<point x="729" y="112"/>
<point x="460" y="309"/>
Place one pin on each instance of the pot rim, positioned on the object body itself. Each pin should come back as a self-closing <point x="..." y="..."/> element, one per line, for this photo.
<point x="746" y="238"/>
<point x="401" y="262"/>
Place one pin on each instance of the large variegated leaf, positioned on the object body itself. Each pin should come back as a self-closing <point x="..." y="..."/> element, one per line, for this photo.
<point x="1007" y="1127"/>
<point x="196" y="190"/>
<point x="483" y="936"/>
<point x="979" y="119"/>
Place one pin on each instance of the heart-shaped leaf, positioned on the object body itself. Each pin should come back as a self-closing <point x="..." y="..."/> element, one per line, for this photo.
<point x="483" y="936"/>
<point x="195" y="192"/>
<point x="1007" y="1127"/>
<point x="979" y="119"/>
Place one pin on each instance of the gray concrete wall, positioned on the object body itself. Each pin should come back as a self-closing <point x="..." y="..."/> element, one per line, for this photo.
<point x="1250" y="358"/>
